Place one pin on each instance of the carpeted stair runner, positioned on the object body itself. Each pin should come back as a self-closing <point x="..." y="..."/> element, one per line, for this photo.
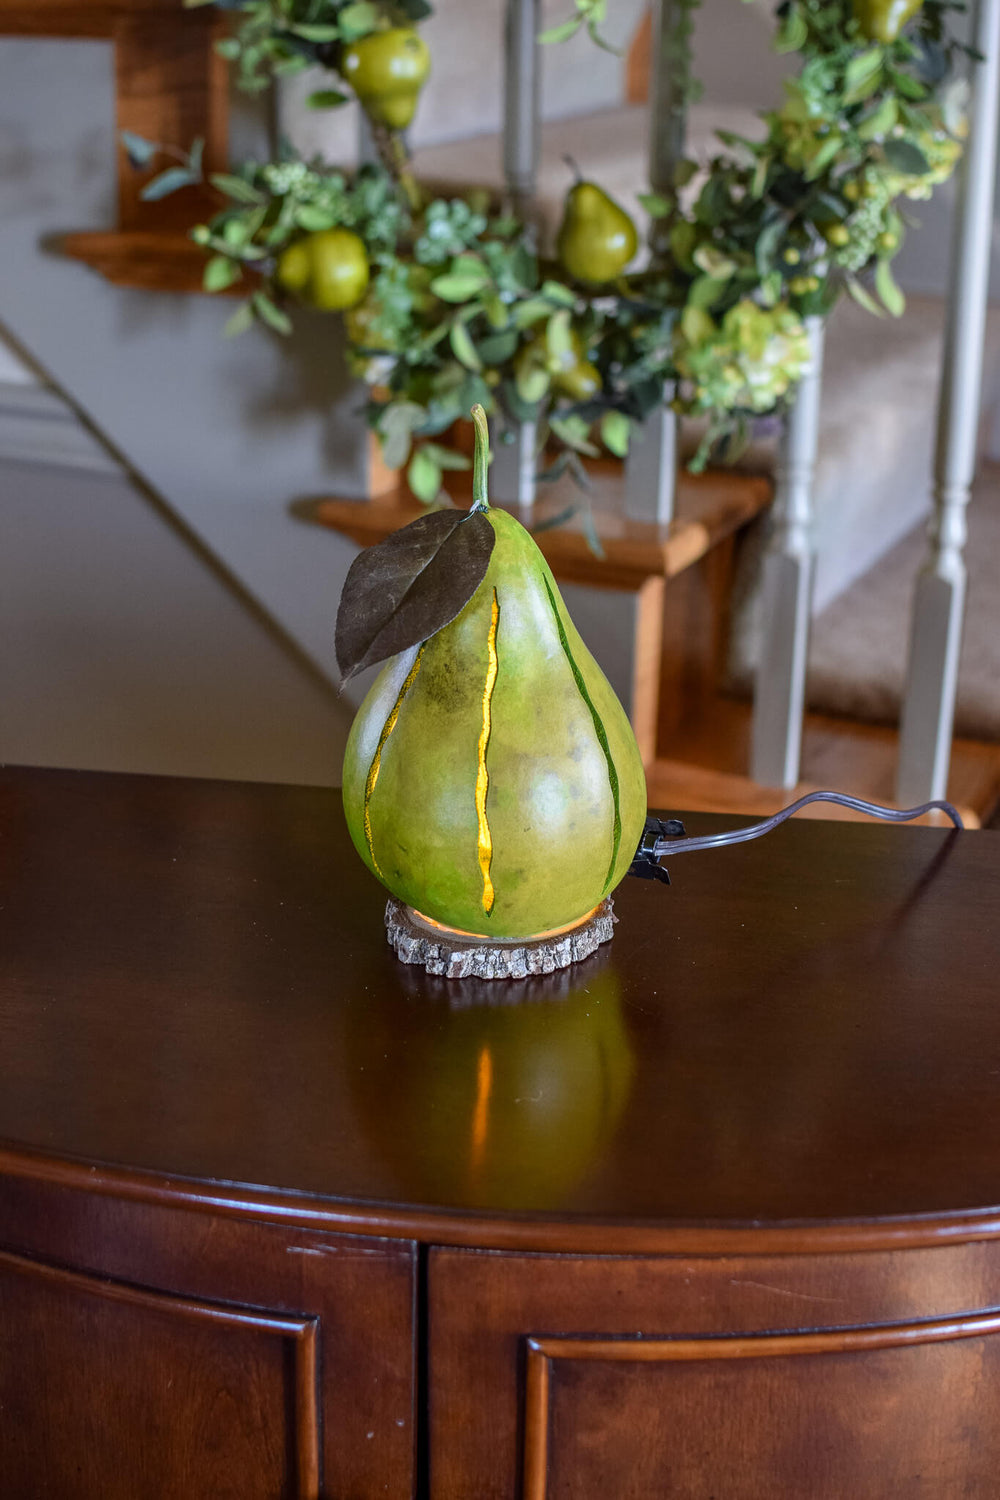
<point x="859" y="644"/>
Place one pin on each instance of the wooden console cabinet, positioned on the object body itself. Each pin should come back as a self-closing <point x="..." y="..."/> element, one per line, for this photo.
<point x="713" y="1215"/>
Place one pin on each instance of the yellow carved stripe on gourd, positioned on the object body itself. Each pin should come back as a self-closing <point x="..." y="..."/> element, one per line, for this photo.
<point x="376" y="764"/>
<point x="482" y="773"/>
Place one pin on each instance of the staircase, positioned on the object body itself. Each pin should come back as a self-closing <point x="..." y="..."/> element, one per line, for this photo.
<point x="227" y="434"/>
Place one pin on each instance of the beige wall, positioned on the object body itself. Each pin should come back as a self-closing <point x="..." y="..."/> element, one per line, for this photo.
<point x="122" y="648"/>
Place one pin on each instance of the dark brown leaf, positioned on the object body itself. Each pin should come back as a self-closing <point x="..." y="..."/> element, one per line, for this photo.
<point x="406" y="588"/>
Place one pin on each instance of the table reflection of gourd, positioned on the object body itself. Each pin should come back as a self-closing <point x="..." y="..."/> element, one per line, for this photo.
<point x="505" y="1102"/>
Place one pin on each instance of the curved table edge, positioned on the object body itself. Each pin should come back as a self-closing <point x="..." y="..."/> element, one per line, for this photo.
<point x="510" y="1232"/>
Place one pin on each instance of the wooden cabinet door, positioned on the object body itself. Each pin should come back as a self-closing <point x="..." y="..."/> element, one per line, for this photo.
<point x="113" y="1390"/>
<point x="150" y="1352"/>
<point x="874" y="1376"/>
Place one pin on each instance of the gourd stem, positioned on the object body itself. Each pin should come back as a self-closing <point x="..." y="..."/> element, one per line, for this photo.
<point x="481" y="460"/>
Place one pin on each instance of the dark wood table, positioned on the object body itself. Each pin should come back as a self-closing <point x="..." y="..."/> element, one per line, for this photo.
<point x="714" y="1214"/>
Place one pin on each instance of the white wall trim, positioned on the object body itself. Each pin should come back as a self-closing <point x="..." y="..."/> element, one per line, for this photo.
<point x="38" y="427"/>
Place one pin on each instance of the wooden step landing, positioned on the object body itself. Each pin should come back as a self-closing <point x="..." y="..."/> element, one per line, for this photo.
<point x="704" y="769"/>
<point x="149" y="261"/>
<point x="709" y="508"/>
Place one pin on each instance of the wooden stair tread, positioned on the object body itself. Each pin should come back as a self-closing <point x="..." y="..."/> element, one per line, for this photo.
<point x="709" y="508"/>
<point x="66" y="19"/>
<point x="702" y="771"/>
<point x="162" y="260"/>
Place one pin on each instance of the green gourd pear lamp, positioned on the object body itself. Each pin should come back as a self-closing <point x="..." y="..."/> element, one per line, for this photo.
<point x="491" y="780"/>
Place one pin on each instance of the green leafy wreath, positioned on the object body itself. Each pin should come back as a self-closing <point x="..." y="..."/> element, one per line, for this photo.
<point x="450" y="302"/>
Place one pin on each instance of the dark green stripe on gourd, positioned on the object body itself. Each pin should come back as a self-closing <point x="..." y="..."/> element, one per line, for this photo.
<point x="599" y="730"/>
<point x="562" y="832"/>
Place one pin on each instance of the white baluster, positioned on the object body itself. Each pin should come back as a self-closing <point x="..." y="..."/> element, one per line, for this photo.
<point x="939" y="594"/>
<point x="512" y="476"/>
<point x="522" y="89"/>
<point x="786" y="593"/>
<point x="651" y="467"/>
<point x="515" y="462"/>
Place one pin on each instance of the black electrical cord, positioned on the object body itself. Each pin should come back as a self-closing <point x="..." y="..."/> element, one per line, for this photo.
<point x="660" y="838"/>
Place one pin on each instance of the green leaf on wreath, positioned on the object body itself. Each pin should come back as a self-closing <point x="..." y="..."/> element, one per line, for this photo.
<point x="498" y="348"/>
<point x="534" y="310"/>
<point x="395" y="426"/>
<point x="862" y="74"/>
<point x="167" y="182"/>
<point x="446" y="458"/>
<point x="424" y="476"/>
<point x="793" y="32"/>
<point x="575" y="433"/>
<point x="357" y="20"/>
<point x="714" y="262"/>
<point x="556" y="292"/>
<point x="885" y="285"/>
<point x="319" y="34"/>
<point x="241" y="320"/>
<point x="220" y="272"/>
<point x="906" y="157"/>
<point x="560" y="33"/>
<point x="326" y="99"/>
<point x="463" y="347"/>
<point x="559" y="336"/>
<point x="880" y="121"/>
<point x="139" y="151"/>
<point x="459" y="286"/>
<point x="864" y="298"/>
<point x="616" y="429"/>
<point x="234" y="187"/>
<point x="532" y="383"/>
<point x="705" y="291"/>
<point x="824" y="156"/>
<point x="656" y="205"/>
<point x="270" y="314"/>
<point x="311" y="218"/>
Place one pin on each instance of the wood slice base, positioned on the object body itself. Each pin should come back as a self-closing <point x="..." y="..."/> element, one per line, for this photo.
<point x="455" y="956"/>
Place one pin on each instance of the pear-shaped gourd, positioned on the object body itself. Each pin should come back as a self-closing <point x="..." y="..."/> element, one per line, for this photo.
<point x="491" y="779"/>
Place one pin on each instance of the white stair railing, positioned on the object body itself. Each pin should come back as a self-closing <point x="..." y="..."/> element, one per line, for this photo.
<point x="651" y="466"/>
<point x="514" y="451"/>
<point x="939" y="594"/>
<point x="786" y="586"/>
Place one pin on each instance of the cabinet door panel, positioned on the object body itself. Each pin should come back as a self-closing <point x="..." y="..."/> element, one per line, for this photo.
<point x="869" y="1412"/>
<point x="560" y="1377"/>
<point x="118" y="1391"/>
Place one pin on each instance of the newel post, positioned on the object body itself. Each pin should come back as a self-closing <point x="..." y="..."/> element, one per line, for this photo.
<point x="939" y="594"/>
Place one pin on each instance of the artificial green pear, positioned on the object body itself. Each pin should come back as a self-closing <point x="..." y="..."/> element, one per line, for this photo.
<point x="387" y="70"/>
<point x="328" y="269"/>
<point x="491" y="778"/>
<point x="597" y="239"/>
